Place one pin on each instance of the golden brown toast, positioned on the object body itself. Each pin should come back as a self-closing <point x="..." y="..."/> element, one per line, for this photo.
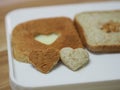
<point x="23" y="41"/>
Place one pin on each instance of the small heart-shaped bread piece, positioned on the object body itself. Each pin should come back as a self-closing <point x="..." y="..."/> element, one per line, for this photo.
<point x="74" y="58"/>
<point x="44" y="60"/>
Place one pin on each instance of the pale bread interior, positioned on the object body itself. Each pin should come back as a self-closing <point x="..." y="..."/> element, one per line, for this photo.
<point x="92" y="23"/>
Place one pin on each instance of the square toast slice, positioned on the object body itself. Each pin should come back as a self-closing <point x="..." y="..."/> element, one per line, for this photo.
<point x="99" y="30"/>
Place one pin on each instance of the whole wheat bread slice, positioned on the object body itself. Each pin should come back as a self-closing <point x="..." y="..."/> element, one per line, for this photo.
<point x="99" y="31"/>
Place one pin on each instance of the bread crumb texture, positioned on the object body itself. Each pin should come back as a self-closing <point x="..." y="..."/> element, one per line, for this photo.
<point x="74" y="58"/>
<point x="100" y="28"/>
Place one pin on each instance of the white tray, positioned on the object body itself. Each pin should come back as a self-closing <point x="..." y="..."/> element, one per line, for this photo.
<point x="102" y="73"/>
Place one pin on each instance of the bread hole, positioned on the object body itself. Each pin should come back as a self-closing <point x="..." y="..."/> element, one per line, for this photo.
<point x="47" y="39"/>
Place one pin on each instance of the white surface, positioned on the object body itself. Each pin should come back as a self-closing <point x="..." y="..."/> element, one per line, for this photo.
<point x="102" y="67"/>
<point x="47" y="39"/>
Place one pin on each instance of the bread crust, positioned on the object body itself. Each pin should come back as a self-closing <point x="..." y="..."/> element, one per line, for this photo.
<point x="98" y="48"/>
<point x="23" y="42"/>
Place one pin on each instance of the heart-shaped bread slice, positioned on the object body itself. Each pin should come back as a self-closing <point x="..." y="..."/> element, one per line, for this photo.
<point x="74" y="58"/>
<point x="44" y="60"/>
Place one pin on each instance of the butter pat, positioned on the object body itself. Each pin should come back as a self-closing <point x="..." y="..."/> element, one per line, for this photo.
<point x="47" y="39"/>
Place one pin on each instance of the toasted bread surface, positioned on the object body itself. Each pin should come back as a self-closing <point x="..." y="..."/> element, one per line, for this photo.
<point x="44" y="60"/>
<point x="23" y="42"/>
